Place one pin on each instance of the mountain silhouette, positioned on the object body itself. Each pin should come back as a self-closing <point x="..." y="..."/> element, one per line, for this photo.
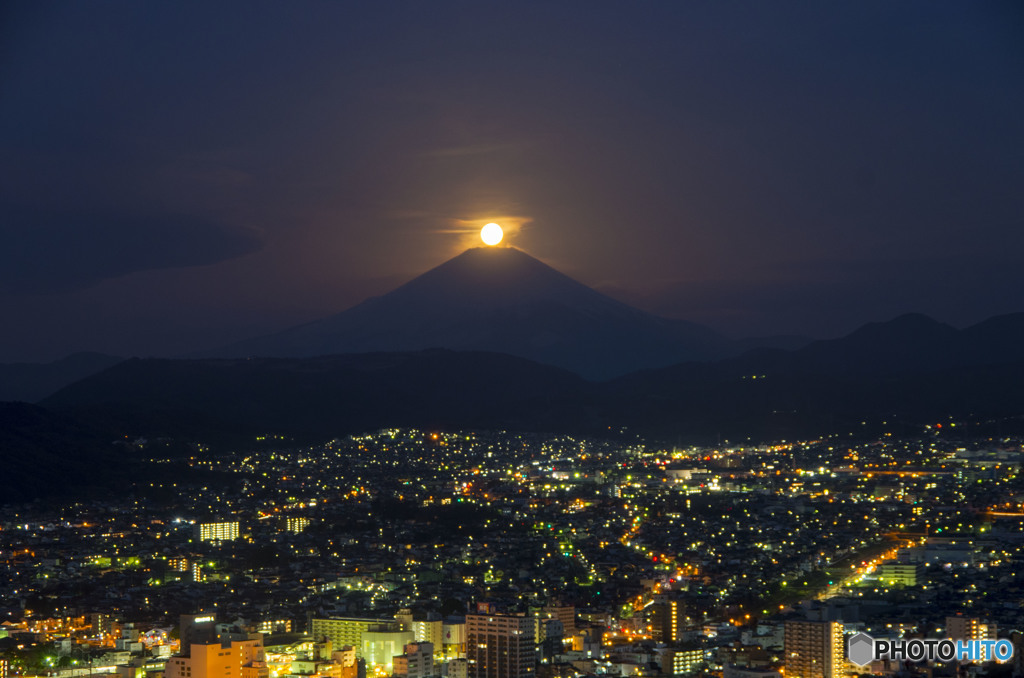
<point x="321" y="397"/>
<point x="872" y="375"/>
<point x="499" y="299"/>
<point x="28" y="382"/>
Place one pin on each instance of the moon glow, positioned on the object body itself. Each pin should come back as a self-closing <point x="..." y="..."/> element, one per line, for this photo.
<point x="491" y="234"/>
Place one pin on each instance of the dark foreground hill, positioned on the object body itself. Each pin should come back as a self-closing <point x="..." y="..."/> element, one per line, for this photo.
<point x="29" y="382"/>
<point x="911" y="370"/>
<point x="43" y="453"/>
<point x="906" y="372"/>
<point x="47" y="455"/>
<point x="326" y="396"/>
<point x="895" y="376"/>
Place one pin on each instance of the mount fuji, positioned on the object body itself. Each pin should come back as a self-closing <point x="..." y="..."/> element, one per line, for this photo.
<point x="503" y="300"/>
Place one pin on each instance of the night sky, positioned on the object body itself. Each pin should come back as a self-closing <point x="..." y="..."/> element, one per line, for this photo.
<point x="178" y="175"/>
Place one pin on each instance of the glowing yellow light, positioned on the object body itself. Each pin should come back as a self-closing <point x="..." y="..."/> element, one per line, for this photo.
<point x="491" y="234"/>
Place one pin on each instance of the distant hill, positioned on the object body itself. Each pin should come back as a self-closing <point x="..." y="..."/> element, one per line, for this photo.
<point x="500" y="299"/>
<point x="43" y="453"/>
<point x="29" y="382"/>
<point x="908" y="344"/>
<point x="327" y="396"/>
<point x="909" y="371"/>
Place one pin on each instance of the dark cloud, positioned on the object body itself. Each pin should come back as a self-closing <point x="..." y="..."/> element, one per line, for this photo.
<point x="59" y="252"/>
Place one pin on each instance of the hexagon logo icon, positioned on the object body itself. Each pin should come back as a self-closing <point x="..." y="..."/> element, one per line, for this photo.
<point x="860" y="649"/>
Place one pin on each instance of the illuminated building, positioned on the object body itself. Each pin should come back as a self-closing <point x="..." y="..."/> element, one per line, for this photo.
<point x="550" y="637"/>
<point x="327" y="662"/>
<point x="453" y="639"/>
<point x="667" y="617"/>
<point x="814" y="649"/>
<point x="196" y="628"/>
<point x="223" y="531"/>
<point x="377" y="641"/>
<point x="677" y="662"/>
<point x="423" y="631"/>
<point x="232" y="658"/>
<point x="178" y="564"/>
<point x="296" y="524"/>
<point x="899" y="574"/>
<point x="458" y="668"/>
<point x="417" y="661"/>
<point x="565" y="614"/>
<point x="342" y="631"/>
<point x="382" y="645"/>
<point x="970" y="628"/>
<point x="500" y="646"/>
<point x="275" y="626"/>
<point x="101" y="624"/>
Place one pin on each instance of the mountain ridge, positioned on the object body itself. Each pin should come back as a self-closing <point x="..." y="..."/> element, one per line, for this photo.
<point x="499" y="299"/>
<point x="30" y="382"/>
<point x="810" y="390"/>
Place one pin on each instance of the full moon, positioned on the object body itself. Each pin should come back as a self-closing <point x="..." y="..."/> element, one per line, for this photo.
<point x="491" y="234"/>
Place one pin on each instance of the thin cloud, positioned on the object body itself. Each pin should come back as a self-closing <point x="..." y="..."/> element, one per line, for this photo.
<point x="472" y="149"/>
<point x="62" y="252"/>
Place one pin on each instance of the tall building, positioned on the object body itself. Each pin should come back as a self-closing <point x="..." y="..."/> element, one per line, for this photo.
<point x="500" y="646"/>
<point x="417" y="661"/>
<point x="550" y="636"/>
<point x="101" y="624"/>
<point x="563" y="613"/>
<point x="423" y="630"/>
<point x="667" y="618"/>
<point x="814" y="649"/>
<point x="196" y="628"/>
<point x="222" y="531"/>
<point x="970" y="628"/>
<point x="453" y="638"/>
<point x="229" y="659"/>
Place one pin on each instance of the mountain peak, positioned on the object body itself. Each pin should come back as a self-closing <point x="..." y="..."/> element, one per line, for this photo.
<point x="504" y="300"/>
<point x="500" y="277"/>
